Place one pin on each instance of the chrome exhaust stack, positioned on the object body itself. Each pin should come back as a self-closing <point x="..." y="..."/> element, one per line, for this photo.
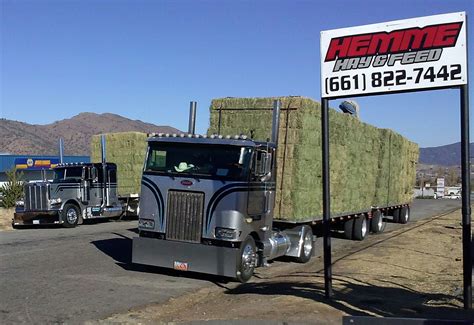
<point x="276" y="120"/>
<point x="192" y="118"/>
<point x="61" y="151"/>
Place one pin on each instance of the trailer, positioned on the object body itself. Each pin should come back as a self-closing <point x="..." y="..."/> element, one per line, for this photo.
<point x="208" y="205"/>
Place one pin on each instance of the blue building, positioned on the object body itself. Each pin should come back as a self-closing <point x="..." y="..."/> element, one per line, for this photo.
<point x="32" y="166"/>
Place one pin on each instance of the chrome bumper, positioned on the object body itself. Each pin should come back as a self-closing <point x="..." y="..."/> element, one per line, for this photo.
<point x="50" y="217"/>
<point x="185" y="256"/>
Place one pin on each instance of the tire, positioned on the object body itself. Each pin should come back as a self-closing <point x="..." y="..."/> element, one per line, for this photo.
<point x="361" y="228"/>
<point x="377" y="225"/>
<point x="396" y="215"/>
<point x="349" y="229"/>
<point x="404" y="216"/>
<point x="308" y="247"/>
<point x="247" y="260"/>
<point x="70" y="215"/>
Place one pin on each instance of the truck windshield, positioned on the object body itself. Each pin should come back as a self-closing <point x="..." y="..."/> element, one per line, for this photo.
<point x="199" y="160"/>
<point x="71" y="174"/>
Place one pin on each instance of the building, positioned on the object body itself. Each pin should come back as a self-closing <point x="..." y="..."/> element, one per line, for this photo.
<point x="32" y="166"/>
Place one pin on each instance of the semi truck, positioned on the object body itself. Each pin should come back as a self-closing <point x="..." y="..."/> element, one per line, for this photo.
<point x="208" y="205"/>
<point x="77" y="191"/>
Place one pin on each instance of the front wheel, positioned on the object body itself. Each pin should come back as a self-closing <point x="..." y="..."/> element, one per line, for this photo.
<point x="70" y="215"/>
<point x="247" y="260"/>
<point x="306" y="246"/>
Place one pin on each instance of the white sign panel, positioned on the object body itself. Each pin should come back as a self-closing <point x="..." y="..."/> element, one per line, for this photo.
<point x="440" y="187"/>
<point x="402" y="55"/>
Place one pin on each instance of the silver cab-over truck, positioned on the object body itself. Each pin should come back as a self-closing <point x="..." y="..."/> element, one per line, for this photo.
<point x="78" y="191"/>
<point x="207" y="206"/>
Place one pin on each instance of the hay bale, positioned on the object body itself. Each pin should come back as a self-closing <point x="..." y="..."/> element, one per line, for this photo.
<point x="127" y="150"/>
<point x="368" y="166"/>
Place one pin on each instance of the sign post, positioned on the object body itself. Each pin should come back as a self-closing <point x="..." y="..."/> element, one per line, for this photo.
<point x="408" y="55"/>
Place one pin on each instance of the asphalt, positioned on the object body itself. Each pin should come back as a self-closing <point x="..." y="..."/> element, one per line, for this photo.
<point x="56" y="275"/>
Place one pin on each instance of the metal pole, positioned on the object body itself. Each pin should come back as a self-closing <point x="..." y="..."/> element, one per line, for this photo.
<point x="192" y="117"/>
<point x="466" y="198"/>
<point x="326" y="198"/>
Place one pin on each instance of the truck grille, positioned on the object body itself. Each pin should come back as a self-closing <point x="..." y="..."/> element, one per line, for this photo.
<point x="36" y="197"/>
<point x="184" y="217"/>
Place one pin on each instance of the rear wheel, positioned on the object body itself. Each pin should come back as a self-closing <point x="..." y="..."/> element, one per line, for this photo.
<point x="70" y="215"/>
<point x="247" y="260"/>
<point x="404" y="215"/>
<point x="360" y="228"/>
<point x="307" y="245"/>
<point x="396" y="215"/>
<point x="348" y="228"/>
<point x="377" y="225"/>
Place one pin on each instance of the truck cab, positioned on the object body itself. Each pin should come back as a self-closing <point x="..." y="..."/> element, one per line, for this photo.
<point x="207" y="206"/>
<point x="78" y="191"/>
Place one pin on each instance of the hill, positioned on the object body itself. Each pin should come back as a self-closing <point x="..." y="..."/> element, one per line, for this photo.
<point x="22" y="138"/>
<point x="448" y="155"/>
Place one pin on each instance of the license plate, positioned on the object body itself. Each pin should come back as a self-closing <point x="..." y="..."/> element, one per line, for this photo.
<point x="36" y="222"/>
<point x="180" y="266"/>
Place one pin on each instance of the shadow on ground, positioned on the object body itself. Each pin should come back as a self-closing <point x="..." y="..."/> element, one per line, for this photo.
<point x="357" y="298"/>
<point x="120" y="249"/>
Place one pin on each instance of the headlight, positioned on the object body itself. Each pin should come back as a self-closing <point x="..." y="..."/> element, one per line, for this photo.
<point x="20" y="203"/>
<point x="146" y="223"/>
<point x="225" y="233"/>
<point x="55" y="201"/>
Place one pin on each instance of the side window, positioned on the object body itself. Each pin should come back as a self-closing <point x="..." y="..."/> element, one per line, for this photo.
<point x="157" y="160"/>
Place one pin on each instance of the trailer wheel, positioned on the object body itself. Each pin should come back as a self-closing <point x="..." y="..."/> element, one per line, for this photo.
<point x="360" y="228"/>
<point x="348" y="228"/>
<point x="247" y="260"/>
<point x="404" y="216"/>
<point x="396" y="215"/>
<point x="307" y="245"/>
<point x="377" y="225"/>
<point x="70" y="215"/>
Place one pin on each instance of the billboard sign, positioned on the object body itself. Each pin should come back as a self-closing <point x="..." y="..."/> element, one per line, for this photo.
<point x="403" y="55"/>
<point x="35" y="163"/>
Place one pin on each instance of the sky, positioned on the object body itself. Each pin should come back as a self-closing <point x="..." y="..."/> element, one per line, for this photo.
<point x="147" y="60"/>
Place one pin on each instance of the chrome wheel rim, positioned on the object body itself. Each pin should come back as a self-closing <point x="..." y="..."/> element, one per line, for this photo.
<point x="248" y="258"/>
<point x="71" y="215"/>
<point x="364" y="227"/>
<point x="405" y="217"/>
<point x="307" y="244"/>
<point x="380" y="222"/>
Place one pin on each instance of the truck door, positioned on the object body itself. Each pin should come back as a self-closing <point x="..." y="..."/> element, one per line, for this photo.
<point x="85" y="185"/>
<point x="257" y="193"/>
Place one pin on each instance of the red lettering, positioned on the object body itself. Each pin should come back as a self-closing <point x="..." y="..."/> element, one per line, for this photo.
<point x="403" y="40"/>
<point x="338" y="48"/>
<point x="447" y="35"/>
<point x="385" y="42"/>
<point x="359" y="45"/>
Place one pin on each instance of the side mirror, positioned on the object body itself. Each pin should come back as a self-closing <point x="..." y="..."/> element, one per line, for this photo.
<point x="94" y="174"/>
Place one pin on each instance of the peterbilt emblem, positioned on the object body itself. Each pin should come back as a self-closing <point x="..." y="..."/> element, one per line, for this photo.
<point x="186" y="182"/>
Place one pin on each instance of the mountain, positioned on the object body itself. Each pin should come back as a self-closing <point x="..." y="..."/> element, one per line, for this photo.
<point x="22" y="138"/>
<point x="448" y="155"/>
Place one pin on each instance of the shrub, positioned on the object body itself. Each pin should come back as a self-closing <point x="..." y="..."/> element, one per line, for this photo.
<point x="12" y="191"/>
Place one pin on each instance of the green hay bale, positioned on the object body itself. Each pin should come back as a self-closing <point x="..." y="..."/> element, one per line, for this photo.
<point x="369" y="166"/>
<point x="127" y="150"/>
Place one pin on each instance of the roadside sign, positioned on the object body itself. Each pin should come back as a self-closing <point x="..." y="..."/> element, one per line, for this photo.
<point x="440" y="187"/>
<point x="403" y="55"/>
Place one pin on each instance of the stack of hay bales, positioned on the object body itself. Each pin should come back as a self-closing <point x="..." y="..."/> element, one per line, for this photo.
<point x="369" y="166"/>
<point x="127" y="150"/>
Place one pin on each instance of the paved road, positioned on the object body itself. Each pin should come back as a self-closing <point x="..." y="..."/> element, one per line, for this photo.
<point x="74" y="275"/>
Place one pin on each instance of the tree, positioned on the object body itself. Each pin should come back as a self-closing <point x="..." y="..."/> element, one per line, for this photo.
<point x="12" y="190"/>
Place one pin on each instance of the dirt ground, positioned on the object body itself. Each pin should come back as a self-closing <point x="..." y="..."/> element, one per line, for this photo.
<point x="6" y="216"/>
<point x="415" y="271"/>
